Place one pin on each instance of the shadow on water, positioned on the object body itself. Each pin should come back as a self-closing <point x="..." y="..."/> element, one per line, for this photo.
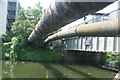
<point x="50" y="71"/>
<point x="56" y="73"/>
<point x="76" y="71"/>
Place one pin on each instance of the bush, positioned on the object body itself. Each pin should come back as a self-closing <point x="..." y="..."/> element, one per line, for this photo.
<point x="41" y="55"/>
<point x="6" y="49"/>
<point x="113" y="57"/>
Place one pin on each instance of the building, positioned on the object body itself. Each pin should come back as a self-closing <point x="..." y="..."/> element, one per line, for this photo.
<point x="9" y="10"/>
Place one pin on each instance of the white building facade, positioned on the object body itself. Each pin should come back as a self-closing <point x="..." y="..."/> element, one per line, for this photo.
<point x="8" y="11"/>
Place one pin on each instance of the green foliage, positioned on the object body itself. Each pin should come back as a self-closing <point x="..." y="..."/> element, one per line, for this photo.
<point x="21" y="15"/>
<point x="20" y="46"/>
<point x="6" y="49"/>
<point x="15" y="43"/>
<point x="7" y="37"/>
<point x="22" y="28"/>
<point x="57" y="42"/>
<point x="112" y="57"/>
<point x="30" y="13"/>
<point x="33" y="13"/>
<point x="40" y="55"/>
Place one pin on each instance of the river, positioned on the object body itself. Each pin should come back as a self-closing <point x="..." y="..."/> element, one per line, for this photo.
<point x="21" y="69"/>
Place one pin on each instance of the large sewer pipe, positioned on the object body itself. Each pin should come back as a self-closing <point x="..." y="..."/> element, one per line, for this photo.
<point x="61" y="13"/>
<point x="100" y="29"/>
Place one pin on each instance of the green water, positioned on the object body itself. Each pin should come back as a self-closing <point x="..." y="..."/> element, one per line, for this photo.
<point x="18" y="69"/>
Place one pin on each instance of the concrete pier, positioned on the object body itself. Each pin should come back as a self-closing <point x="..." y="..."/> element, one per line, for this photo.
<point x="117" y="77"/>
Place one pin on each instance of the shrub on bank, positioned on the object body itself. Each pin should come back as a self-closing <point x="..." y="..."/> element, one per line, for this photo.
<point x="6" y="49"/>
<point x="41" y="55"/>
<point x="113" y="57"/>
<point x="19" y="49"/>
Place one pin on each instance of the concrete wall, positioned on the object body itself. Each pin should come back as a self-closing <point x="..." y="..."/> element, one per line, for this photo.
<point x="3" y="16"/>
<point x="4" y="12"/>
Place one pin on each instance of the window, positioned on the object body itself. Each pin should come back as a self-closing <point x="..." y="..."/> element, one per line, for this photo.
<point x="12" y="3"/>
<point x="11" y="20"/>
<point x="11" y="12"/>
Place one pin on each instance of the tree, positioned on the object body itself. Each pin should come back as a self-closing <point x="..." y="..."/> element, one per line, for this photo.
<point x="21" y="29"/>
<point x="33" y="13"/>
<point x="21" y="15"/>
<point x="30" y="13"/>
<point x="18" y="47"/>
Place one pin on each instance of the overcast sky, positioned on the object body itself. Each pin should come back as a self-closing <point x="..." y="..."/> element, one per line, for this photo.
<point x="26" y="3"/>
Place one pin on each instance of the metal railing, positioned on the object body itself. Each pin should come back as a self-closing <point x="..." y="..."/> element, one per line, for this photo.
<point x="98" y="19"/>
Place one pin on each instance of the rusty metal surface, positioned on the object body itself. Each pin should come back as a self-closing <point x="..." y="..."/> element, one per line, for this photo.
<point x="61" y="13"/>
<point x="101" y="29"/>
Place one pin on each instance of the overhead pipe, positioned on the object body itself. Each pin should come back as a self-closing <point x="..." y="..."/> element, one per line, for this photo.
<point x="101" y="29"/>
<point x="61" y="13"/>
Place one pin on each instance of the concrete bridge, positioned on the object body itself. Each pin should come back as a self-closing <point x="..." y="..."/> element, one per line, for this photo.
<point x="94" y="43"/>
<point x="61" y="13"/>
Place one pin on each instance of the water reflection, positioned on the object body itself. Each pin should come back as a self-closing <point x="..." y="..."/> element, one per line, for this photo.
<point x="17" y="69"/>
<point x="8" y="68"/>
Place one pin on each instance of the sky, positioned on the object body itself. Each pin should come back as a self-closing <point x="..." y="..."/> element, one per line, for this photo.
<point x="27" y="3"/>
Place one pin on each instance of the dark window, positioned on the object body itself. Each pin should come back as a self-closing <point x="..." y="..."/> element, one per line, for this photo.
<point x="10" y="12"/>
<point x="12" y="3"/>
<point x="11" y="20"/>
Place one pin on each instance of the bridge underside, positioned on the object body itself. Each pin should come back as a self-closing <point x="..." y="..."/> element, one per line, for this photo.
<point x="61" y="13"/>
